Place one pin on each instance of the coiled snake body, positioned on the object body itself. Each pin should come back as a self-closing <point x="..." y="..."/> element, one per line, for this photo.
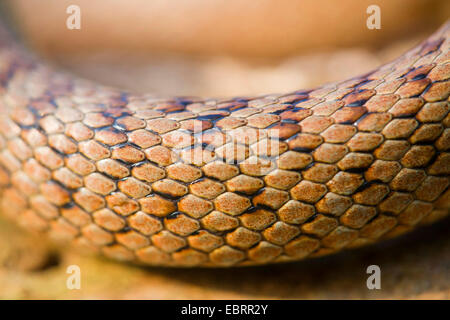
<point x="207" y="182"/>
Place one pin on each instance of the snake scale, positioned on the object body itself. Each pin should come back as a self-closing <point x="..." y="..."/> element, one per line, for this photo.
<point x="185" y="181"/>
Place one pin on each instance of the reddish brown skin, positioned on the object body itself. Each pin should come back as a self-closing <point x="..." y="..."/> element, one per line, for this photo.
<point x="186" y="181"/>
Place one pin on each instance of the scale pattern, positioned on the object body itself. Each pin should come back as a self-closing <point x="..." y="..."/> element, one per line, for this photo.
<point x="209" y="182"/>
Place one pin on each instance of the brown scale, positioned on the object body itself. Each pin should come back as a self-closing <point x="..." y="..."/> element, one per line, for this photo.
<point x="192" y="182"/>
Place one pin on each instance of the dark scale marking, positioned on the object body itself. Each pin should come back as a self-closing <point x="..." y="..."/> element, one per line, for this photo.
<point x="173" y="215"/>
<point x="211" y="117"/>
<point x="358" y="103"/>
<point x="356" y="170"/>
<point x="367" y="184"/>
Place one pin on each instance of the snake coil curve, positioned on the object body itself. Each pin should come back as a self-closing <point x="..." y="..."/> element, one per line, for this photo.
<point x="184" y="181"/>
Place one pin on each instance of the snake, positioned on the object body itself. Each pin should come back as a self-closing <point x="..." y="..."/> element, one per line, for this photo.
<point x="219" y="182"/>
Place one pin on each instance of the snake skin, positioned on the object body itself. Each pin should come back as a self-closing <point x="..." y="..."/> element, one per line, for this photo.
<point x="208" y="182"/>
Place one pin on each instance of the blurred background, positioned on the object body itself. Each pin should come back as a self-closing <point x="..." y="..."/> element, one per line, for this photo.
<point x="224" y="48"/>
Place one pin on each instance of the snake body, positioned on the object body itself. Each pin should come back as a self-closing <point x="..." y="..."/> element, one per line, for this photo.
<point x="186" y="181"/>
